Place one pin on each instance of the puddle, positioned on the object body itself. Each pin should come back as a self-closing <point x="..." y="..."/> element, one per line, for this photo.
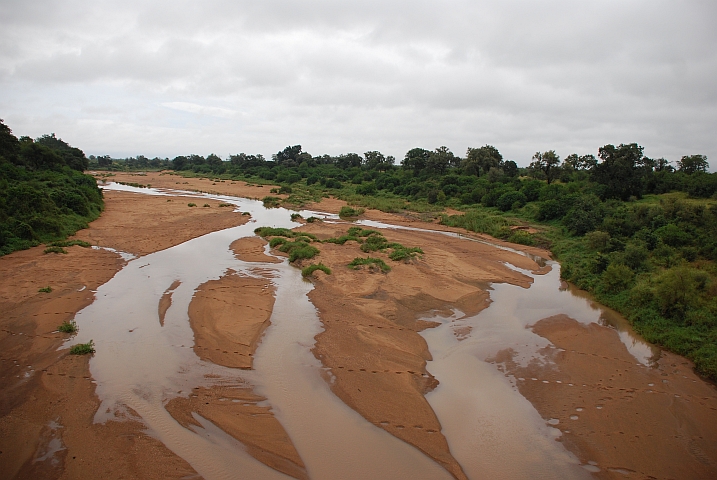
<point x="142" y="363"/>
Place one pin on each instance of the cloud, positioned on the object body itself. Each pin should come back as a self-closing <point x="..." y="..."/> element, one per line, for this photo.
<point x="341" y="76"/>
<point x="200" y="109"/>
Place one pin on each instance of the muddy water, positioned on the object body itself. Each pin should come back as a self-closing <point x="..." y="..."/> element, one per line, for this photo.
<point x="491" y="429"/>
<point x="141" y="364"/>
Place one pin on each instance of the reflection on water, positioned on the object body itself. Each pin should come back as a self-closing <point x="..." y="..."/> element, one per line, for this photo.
<point x="491" y="429"/>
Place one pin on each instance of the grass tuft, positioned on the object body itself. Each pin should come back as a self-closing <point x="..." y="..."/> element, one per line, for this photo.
<point x="47" y="289"/>
<point x="83" y="348"/>
<point x="308" y="271"/>
<point x="68" y="327"/>
<point x="372" y="263"/>
<point x="55" y="250"/>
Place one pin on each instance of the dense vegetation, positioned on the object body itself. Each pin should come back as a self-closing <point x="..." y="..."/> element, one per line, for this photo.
<point x="638" y="233"/>
<point x="44" y="196"/>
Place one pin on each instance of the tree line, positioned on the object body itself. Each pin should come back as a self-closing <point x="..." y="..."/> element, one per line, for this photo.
<point x="44" y="196"/>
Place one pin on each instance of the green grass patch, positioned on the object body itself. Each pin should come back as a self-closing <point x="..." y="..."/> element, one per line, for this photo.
<point x="271" y="202"/>
<point x="191" y="204"/>
<point x="298" y="250"/>
<point x="68" y="327"/>
<point x="222" y="205"/>
<point x="83" y="348"/>
<point x="350" y="212"/>
<point x="372" y="263"/>
<point x="308" y="271"/>
<point x="295" y="217"/>
<point x="401" y="253"/>
<point x="313" y="219"/>
<point x="70" y="243"/>
<point x="55" y="250"/>
<point x="47" y="289"/>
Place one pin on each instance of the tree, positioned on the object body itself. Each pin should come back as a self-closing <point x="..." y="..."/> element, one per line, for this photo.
<point x="663" y="165"/>
<point x="375" y="160"/>
<point x="9" y="145"/>
<point x="440" y="160"/>
<point x="348" y="160"/>
<point x="621" y="170"/>
<point x="214" y="160"/>
<point x="288" y="157"/>
<point x="510" y="168"/>
<point x="547" y="162"/>
<point x="480" y="160"/>
<point x="416" y="159"/>
<point x="692" y="164"/>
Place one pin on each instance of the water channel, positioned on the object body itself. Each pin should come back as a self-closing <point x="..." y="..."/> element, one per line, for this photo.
<point x="492" y="431"/>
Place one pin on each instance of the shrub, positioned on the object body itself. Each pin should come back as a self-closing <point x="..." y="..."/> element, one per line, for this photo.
<point x="508" y="200"/>
<point x="347" y="211"/>
<point x="597" y="240"/>
<point x="55" y="250"/>
<point x="403" y="253"/>
<point x="67" y="327"/>
<point x="276" y="241"/>
<point x="206" y="205"/>
<point x="83" y="348"/>
<point x="306" y="272"/>
<point x="373" y="264"/>
<point x="225" y="205"/>
<point x="70" y="243"/>
<point x="295" y="217"/>
<point x="271" y="202"/>
<point x="191" y="204"/>
<point x="47" y="289"/>
<point x="312" y="219"/>
<point x="616" y="278"/>
<point x="298" y="250"/>
<point x="245" y="214"/>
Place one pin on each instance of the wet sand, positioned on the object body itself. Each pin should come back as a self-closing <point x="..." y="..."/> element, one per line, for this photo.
<point x="371" y="320"/>
<point x="48" y="401"/>
<point x="629" y="420"/>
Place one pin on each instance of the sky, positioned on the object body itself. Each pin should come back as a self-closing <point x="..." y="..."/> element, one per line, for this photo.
<point x="167" y="78"/>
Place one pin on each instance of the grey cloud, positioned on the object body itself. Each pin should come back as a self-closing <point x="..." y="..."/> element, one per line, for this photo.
<point x="339" y="76"/>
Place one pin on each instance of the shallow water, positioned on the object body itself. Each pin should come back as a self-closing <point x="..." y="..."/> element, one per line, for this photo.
<point x="141" y="364"/>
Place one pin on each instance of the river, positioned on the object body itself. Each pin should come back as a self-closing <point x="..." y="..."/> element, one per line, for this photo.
<point x="493" y="432"/>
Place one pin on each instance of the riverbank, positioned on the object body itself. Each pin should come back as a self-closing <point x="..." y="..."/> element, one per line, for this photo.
<point x="48" y="401"/>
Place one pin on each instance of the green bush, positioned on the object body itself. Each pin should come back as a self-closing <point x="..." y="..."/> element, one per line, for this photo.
<point x="271" y="202"/>
<point x="373" y="263"/>
<point x="307" y="271"/>
<point x="616" y="278"/>
<point x="67" y="327"/>
<point x="191" y="204"/>
<point x="55" y="250"/>
<point x="298" y="250"/>
<point x="83" y="348"/>
<point x="47" y="289"/>
<point x="349" y="212"/>
<point x="400" y="252"/>
<point x="295" y="217"/>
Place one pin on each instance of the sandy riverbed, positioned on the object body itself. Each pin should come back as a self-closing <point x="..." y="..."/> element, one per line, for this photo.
<point x="370" y="345"/>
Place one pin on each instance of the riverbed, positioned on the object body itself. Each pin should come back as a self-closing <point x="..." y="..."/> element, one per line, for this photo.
<point x="462" y="399"/>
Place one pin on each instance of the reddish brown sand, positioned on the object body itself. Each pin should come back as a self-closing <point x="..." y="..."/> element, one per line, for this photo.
<point x="631" y="420"/>
<point x="41" y="385"/>
<point x="228" y="317"/>
<point x="371" y="341"/>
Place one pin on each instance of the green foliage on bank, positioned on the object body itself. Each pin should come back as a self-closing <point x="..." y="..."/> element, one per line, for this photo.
<point x="44" y="196"/>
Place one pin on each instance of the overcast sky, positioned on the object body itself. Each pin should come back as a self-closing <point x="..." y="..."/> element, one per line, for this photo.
<point x="164" y="78"/>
